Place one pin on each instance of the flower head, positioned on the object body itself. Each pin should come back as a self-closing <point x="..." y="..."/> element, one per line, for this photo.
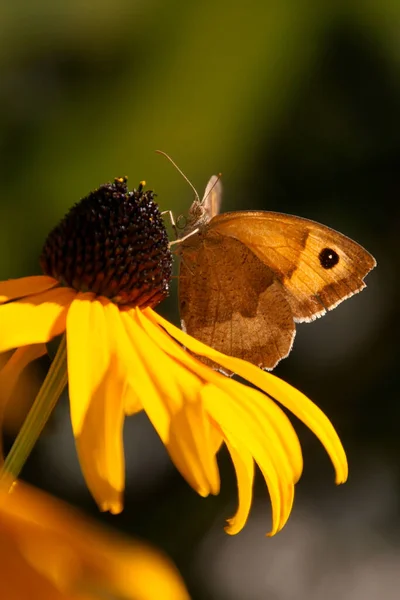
<point x="49" y="551"/>
<point x="112" y="243"/>
<point x="123" y="357"/>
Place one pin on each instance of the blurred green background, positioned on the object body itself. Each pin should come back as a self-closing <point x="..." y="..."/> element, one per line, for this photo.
<point x="297" y="104"/>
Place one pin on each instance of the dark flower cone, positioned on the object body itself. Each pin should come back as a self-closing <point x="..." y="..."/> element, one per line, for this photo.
<point x="113" y="243"/>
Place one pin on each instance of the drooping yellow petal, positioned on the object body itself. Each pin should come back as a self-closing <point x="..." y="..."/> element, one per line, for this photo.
<point x="132" y="401"/>
<point x="244" y="468"/>
<point x="96" y="399"/>
<point x="175" y="409"/>
<point x="88" y="354"/>
<point x="267" y="412"/>
<point x="115" y="404"/>
<point x="217" y="439"/>
<point x="261" y="420"/>
<point x="258" y="418"/>
<point x="99" y="444"/>
<point x="25" y="286"/>
<point x="113" y="428"/>
<point x="241" y="429"/>
<point x="261" y="417"/>
<point x="141" y="379"/>
<point x="34" y="320"/>
<point x="281" y="391"/>
<point x="193" y="414"/>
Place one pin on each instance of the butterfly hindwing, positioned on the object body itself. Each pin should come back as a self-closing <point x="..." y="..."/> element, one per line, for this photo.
<point x="231" y="301"/>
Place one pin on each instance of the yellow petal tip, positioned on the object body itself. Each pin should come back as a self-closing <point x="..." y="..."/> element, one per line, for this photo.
<point x="115" y="508"/>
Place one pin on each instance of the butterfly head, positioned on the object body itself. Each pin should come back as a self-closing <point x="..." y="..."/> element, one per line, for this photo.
<point x="197" y="216"/>
<point x="202" y="211"/>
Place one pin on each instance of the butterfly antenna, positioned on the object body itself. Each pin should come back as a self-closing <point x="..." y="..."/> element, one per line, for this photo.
<point x="181" y="172"/>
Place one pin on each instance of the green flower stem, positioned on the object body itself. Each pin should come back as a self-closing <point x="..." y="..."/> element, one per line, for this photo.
<point x="39" y="414"/>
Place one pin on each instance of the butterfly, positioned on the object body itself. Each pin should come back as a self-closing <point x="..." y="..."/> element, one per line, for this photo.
<point x="247" y="277"/>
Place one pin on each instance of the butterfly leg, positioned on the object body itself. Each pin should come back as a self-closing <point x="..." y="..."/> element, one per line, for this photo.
<point x="185" y="237"/>
<point x="172" y="220"/>
<point x="178" y="239"/>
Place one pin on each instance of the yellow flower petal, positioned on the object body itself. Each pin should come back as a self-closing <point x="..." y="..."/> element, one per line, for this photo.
<point x="96" y="398"/>
<point x="115" y="404"/>
<point x="33" y="320"/>
<point x="88" y="354"/>
<point x="19" y="579"/>
<point x="132" y="401"/>
<point x="281" y="391"/>
<point x="244" y="468"/>
<point x="49" y="551"/>
<point x="260" y="418"/>
<point x="267" y="412"/>
<point x="176" y="410"/>
<point x="241" y="429"/>
<point x="193" y="415"/>
<point x="257" y="414"/>
<point x="140" y="379"/>
<point x="25" y="286"/>
<point x="99" y="444"/>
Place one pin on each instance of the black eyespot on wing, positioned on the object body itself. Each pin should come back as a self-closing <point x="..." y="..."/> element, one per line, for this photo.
<point x="328" y="258"/>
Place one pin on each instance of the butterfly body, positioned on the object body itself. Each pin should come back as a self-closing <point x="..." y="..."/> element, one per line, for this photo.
<point x="247" y="277"/>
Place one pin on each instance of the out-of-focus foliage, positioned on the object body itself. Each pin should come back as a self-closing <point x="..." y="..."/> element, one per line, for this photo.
<point x="296" y="103"/>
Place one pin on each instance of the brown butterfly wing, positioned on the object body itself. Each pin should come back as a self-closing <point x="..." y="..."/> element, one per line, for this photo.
<point x="317" y="266"/>
<point x="231" y="301"/>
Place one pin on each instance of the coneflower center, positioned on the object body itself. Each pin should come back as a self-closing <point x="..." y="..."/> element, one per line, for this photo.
<point x="113" y="243"/>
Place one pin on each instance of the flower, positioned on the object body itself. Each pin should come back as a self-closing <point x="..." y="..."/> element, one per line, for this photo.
<point x="123" y="357"/>
<point x="50" y="551"/>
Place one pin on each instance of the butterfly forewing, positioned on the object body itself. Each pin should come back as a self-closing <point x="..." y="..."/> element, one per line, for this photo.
<point x="318" y="267"/>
